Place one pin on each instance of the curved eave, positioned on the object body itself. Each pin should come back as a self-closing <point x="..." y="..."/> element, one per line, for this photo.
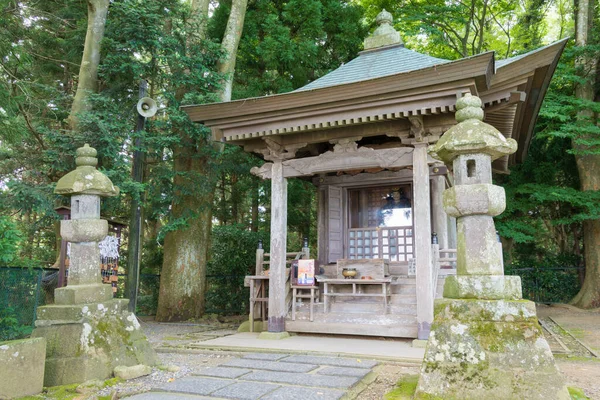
<point x="478" y="69"/>
<point x="535" y="69"/>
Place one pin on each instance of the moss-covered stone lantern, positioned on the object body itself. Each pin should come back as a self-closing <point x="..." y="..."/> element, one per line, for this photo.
<point x="88" y="333"/>
<point x="485" y="341"/>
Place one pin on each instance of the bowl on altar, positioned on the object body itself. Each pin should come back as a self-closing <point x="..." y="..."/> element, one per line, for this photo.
<point x="349" y="273"/>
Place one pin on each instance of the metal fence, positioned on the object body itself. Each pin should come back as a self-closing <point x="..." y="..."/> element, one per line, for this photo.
<point x="23" y="290"/>
<point x="548" y="284"/>
<point x="20" y="296"/>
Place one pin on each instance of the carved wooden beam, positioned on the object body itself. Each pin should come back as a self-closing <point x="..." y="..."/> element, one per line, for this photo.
<point x="363" y="158"/>
<point x="277" y="152"/>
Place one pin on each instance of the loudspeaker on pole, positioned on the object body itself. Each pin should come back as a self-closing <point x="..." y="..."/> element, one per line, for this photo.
<point x="147" y="107"/>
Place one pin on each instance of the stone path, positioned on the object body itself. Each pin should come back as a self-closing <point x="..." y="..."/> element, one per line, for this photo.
<point x="268" y="376"/>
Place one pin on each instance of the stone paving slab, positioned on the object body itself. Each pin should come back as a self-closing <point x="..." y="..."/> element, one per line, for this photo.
<point x="266" y="356"/>
<point x="223" y="372"/>
<point x="270" y="365"/>
<point x="246" y="390"/>
<point x="310" y="380"/>
<point x="343" y="371"/>
<point x="299" y="393"/>
<point x="334" y="361"/>
<point x="168" y="396"/>
<point x="267" y="376"/>
<point x="196" y="385"/>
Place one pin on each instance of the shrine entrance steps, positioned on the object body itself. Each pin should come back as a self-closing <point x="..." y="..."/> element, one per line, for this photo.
<point x="365" y="316"/>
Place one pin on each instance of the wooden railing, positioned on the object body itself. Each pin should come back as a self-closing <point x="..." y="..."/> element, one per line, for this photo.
<point x="447" y="258"/>
<point x="259" y="283"/>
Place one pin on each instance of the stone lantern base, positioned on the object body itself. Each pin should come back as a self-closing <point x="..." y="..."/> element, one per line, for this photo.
<point x="488" y="349"/>
<point x="87" y="341"/>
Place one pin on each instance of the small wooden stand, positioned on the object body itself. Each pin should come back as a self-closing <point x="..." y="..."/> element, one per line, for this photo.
<point x="297" y="293"/>
<point x="331" y="283"/>
<point x="258" y="294"/>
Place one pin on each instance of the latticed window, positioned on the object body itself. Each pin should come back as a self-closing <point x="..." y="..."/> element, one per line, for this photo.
<point x="381" y="223"/>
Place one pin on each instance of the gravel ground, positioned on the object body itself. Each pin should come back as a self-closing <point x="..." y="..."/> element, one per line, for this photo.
<point x="582" y="373"/>
<point x="387" y="376"/>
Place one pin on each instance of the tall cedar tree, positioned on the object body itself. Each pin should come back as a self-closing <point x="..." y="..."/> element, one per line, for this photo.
<point x="183" y="274"/>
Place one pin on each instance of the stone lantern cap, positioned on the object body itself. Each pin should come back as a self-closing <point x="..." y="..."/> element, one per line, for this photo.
<point x="86" y="179"/>
<point x="471" y="135"/>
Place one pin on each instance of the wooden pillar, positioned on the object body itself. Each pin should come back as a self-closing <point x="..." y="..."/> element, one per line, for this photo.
<point x="439" y="217"/>
<point x="451" y="233"/>
<point x="277" y="271"/>
<point x="422" y="239"/>
<point x="321" y="226"/>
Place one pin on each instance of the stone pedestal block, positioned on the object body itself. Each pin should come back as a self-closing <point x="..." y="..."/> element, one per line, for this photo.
<point x="82" y="294"/>
<point x="480" y="199"/>
<point x="84" y="230"/>
<point x="84" y="263"/>
<point x="21" y="367"/>
<point x="477" y="247"/>
<point x="87" y="341"/>
<point x="492" y="350"/>
<point x="490" y="287"/>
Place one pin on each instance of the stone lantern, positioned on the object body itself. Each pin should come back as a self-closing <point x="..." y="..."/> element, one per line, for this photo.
<point x="485" y="341"/>
<point x="88" y="332"/>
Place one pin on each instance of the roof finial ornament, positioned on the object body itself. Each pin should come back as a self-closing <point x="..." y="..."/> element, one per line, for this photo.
<point x="384" y="17"/>
<point x="385" y="34"/>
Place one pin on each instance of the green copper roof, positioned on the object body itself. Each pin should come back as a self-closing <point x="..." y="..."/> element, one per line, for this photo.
<point x="377" y="63"/>
<point x="390" y="60"/>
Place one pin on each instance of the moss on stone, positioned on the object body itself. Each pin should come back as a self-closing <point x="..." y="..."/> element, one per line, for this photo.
<point x="405" y="388"/>
<point x="577" y="394"/>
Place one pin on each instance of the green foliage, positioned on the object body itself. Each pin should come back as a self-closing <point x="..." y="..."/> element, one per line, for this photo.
<point x="10" y="326"/>
<point x="233" y="257"/>
<point x="10" y="237"/>
<point x="286" y="45"/>
<point x="19" y="299"/>
<point x="234" y="250"/>
<point x="544" y="276"/>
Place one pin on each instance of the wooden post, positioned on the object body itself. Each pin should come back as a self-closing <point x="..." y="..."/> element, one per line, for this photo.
<point x="440" y="220"/>
<point x="305" y="249"/>
<point x="321" y="226"/>
<point x="277" y="276"/>
<point x="451" y="233"/>
<point x="260" y="258"/>
<point x="422" y="240"/>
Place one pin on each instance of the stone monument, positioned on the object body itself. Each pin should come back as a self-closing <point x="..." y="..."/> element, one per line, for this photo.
<point x="485" y="341"/>
<point x="88" y="332"/>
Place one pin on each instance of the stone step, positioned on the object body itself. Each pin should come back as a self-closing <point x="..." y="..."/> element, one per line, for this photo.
<point x="404" y="289"/>
<point x="367" y="324"/>
<point x="403" y="299"/>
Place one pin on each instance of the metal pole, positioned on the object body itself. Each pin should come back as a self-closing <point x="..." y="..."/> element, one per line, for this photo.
<point x="62" y="260"/>
<point x="135" y="222"/>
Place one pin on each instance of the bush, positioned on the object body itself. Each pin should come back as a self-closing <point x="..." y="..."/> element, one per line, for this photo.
<point x="233" y="257"/>
<point x="10" y="327"/>
<point x="551" y="279"/>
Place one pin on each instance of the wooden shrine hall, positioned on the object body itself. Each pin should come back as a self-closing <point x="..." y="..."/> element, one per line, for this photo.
<point x="360" y="133"/>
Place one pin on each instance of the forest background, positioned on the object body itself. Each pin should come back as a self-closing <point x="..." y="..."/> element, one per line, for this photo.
<point x="203" y="212"/>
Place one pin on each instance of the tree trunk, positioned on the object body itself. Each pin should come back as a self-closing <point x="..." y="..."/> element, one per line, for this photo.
<point x="588" y="165"/>
<point x="88" y="71"/>
<point x="229" y="45"/>
<point x="183" y="275"/>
